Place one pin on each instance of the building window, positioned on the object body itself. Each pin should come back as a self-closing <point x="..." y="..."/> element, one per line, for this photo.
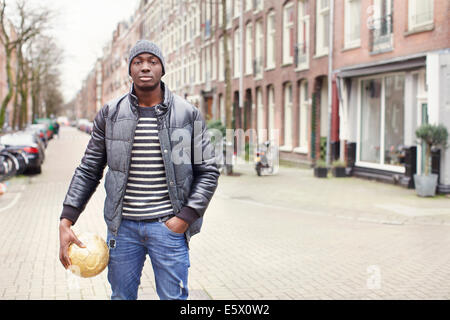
<point x="288" y="34"/>
<point x="420" y="13"/>
<point x="262" y="135"/>
<point x="208" y="19"/>
<point x="322" y="26"/>
<point x="381" y="126"/>
<point x="237" y="52"/>
<point x="248" y="5"/>
<point x="220" y="20"/>
<point x="237" y="8"/>
<point x="248" y="49"/>
<point x="288" y="116"/>
<point x="302" y="47"/>
<point x="229" y="9"/>
<point x="271" y="116"/>
<point x="258" y="5"/>
<point x="303" y="118"/>
<point x="214" y="63"/>
<point x="259" y="47"/>
<point x="352" y="23"/>
<point x="208" y="68"/>
<point x="222" y="109"/>
<point x="381" y="26"/>
<point x="271" y="41"/>
<point x="221" y="60"/>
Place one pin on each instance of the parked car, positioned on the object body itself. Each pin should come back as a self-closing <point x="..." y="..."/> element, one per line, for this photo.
<point x="41" y="130"/>
<point x="63" y="121"/>
<point x="50" y="126"/>
<point x="82" y="124"/>
<point x="88" y="128"/>
<point x="30" y="144"/>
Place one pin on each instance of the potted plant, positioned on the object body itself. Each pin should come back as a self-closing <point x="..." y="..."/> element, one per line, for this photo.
<point x="338" y="168"/>
<point x="320" y="169"/>
<point x="433" y="136"/>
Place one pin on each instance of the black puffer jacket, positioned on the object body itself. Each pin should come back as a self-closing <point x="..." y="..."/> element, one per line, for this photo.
<point x="191" y="170"/>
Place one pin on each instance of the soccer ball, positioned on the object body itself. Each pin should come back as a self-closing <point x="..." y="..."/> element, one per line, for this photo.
<point x="90" y="261"/>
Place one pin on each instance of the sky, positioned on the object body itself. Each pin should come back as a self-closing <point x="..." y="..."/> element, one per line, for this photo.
<point x="82" y="28"/>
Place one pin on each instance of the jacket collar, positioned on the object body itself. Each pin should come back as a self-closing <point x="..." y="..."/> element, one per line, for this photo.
<point x="161" y="108"/>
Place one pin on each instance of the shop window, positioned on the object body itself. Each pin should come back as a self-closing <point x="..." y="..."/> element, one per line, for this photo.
<point x="381" y="122"/>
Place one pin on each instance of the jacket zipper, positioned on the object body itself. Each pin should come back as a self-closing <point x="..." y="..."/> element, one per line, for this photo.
<point x="128" y="171"/>
<point x="160" y="127"/>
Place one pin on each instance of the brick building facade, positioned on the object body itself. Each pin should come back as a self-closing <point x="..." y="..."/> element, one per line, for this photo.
<point x="395" y="50"/>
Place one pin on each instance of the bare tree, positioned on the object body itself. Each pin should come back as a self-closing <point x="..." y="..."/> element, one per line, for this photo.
<point x="45" y="59"/>
<point x="14" y="37"/>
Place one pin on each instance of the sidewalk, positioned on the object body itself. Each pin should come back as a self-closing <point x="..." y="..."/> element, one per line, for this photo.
<point x="348" y="198"/>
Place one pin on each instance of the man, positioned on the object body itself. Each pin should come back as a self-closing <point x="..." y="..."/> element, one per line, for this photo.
<point x="154" y="202"/>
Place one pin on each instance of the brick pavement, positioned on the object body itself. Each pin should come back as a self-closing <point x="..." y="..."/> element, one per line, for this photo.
<point x="289" y="236"/>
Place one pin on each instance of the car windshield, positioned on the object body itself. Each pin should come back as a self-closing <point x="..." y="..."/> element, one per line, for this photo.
<point x="17" y="139"/>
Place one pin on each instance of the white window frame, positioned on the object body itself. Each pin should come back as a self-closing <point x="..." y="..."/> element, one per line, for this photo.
<point x="321" y="12"/>
<point x="229" y="9"/>
<point x="350" y="21"/>
<point x="237" y="8"/>
<point x="237" y="52"/>
<point x="302" y="29"/>
<point x="259" y="48"/>
<point x="271" y="111"/>
<point x="381" y="165"/>
<point x="248" y="49"/>
<point x="303" y="118"/>
<point x="248" y="5"/>
<point x="271" y="41"/>
<point x="287" y="28"/>
<point x="260" y="116"/>
<point x="214" y="62"/>
<point x="221" y="71"/>
<point x="258" y="5"/>
<point x="412" y="12"/>
<point x="222" y="109"/>
<point x="287" y="119"/>
<point x="388" y="45"/>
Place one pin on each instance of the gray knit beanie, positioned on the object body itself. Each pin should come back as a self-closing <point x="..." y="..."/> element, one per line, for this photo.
<point x="145" y="46"/>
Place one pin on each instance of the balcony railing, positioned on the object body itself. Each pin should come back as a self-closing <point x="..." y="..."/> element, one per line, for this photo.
<point x="381" y="33"/>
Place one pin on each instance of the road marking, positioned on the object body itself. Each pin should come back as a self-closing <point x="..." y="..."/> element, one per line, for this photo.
<point x="15" y="200"/>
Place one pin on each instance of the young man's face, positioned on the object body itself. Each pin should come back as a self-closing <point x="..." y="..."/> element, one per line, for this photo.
<point x="146" y="71"/>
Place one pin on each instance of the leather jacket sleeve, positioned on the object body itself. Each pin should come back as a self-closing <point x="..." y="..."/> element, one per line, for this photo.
<point x="205" y="172"/>
<point x="89" y="173"/>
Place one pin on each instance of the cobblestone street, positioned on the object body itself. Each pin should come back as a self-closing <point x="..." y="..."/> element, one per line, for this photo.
<point x="289" y="236"/>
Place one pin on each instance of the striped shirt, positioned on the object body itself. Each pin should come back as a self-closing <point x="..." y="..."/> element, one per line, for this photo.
<point x="147" y="194"/>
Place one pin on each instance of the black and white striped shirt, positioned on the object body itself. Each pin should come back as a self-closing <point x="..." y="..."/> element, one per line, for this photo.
<point x="147" y="195"/>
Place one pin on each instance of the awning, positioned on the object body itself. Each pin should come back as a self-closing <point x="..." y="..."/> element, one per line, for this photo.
<point x="390" y="66"/>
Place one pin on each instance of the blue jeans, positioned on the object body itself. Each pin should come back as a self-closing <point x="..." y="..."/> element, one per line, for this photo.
<point x="168" y="253"/>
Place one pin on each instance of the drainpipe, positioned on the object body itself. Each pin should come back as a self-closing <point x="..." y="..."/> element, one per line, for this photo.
<point x="330" y="81"/>
<point x="241" y="58"/>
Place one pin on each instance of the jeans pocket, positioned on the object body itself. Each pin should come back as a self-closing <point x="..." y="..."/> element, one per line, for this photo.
<point x="170" y="231"/>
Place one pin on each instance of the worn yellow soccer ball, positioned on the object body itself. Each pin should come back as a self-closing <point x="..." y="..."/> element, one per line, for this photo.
<point x="90" y="261"/>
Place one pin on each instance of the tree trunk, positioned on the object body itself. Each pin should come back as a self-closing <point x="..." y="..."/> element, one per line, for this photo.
<point x="427" y="160"/>
<point x="35" y="93"/>
<point x="9" y="95"/>
<point x="228" y="102"/>
<point x="23" y="89"/>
